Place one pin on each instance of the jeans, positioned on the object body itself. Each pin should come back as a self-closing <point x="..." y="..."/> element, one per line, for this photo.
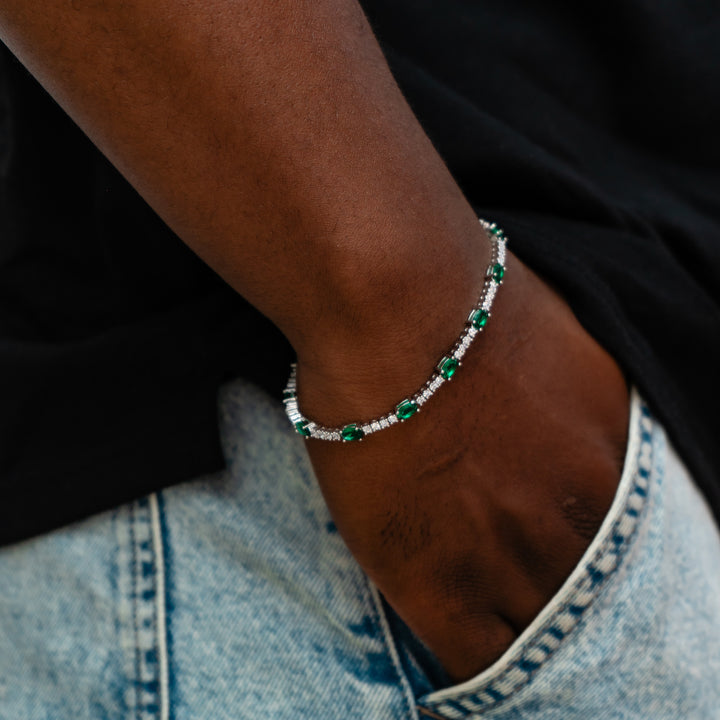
<point x="233" y="596"/>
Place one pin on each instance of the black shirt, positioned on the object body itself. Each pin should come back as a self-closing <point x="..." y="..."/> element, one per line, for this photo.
<point x="590" y="132"/>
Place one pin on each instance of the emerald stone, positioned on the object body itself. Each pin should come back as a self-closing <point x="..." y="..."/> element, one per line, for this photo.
<point x="406" y="409"/>
<point x="447" y="367"/>
<point x="351" y="433"/>
<point x="498" y="272"/>
<point x="302" y="428"/>
<point x="497" y="232"/>
<point x="479" y="319"/>
<point x="288" y="394"/>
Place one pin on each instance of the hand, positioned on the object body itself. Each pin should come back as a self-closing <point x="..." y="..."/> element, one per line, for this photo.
<point x="470" y="516"/>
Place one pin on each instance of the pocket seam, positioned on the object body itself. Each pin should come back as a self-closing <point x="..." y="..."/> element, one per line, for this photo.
<point x="381" y="621"/>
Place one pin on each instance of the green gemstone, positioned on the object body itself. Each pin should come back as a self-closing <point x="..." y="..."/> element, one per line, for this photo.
<point x="447" y="367"/>
<point x="302" y="428"/>
<point x="406" y="409"/>
<point x="350" y="433"/>
<point x="479" y="319"/>
<point x="497" y="232"/>
<point x="498" y="272"/>
<point x="288" y="394"/>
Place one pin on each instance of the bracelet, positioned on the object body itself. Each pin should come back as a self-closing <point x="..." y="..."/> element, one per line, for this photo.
<point x="444" y="370"/>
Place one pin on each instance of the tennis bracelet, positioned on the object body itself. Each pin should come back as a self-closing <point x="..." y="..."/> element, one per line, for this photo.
<point x="444" y="370"/>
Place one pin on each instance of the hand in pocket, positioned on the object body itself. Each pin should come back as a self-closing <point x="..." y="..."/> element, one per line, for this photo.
<point x="470" y="517"/>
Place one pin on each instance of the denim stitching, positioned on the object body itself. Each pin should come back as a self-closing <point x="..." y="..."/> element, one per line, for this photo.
<point x="139" y="627"/>
<point x="161" y="638"/>
<point x="548" y="638"/>
<point x="133" y="607"/>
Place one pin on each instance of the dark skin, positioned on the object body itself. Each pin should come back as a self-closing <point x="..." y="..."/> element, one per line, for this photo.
<point x="272" y="138"/>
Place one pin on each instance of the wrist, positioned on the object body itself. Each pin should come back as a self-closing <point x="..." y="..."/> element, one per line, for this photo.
<point x="401" y="319"/>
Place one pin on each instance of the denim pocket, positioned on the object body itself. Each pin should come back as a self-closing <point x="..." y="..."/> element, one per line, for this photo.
<point x="557" y="622"/>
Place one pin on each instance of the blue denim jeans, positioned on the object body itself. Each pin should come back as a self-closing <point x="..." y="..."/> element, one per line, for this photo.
<point x="234" y="597"/>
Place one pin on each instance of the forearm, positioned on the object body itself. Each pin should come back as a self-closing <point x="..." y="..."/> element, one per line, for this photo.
<point x="272" y="138"/>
